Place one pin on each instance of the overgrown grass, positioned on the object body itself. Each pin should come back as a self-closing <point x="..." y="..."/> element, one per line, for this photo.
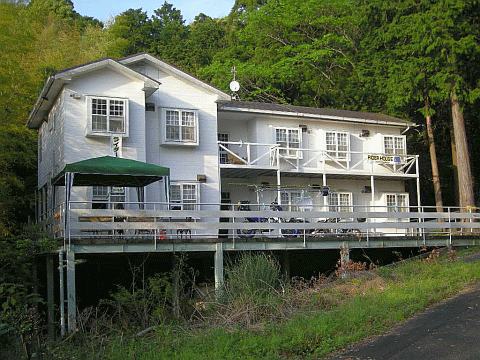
<point x="328" y="317"/>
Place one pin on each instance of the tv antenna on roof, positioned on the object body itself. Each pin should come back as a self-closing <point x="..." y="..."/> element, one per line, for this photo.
<point x="234" y="85"/>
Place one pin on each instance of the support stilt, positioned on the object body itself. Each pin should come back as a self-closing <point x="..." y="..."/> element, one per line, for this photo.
<point x="176" y="286"/>
<point x="218" y="268"/>
<point x="61" y="271"/>
<point x="286" y="265"/>
<point x="344" y="260"/>
<point x="71" y="297"/>
<point x="50" y="299"/>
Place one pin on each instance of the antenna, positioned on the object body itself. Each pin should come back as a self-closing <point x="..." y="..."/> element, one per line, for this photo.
<point x="234" y="85"/>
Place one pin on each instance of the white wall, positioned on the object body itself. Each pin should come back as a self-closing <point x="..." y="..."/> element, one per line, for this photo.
<point x="185" y="162"/>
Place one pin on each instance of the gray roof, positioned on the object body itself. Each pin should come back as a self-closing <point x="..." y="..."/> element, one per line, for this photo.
<point x="307" y="112"/>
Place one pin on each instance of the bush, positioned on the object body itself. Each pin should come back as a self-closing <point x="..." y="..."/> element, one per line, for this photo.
<point x="253" y="275"/>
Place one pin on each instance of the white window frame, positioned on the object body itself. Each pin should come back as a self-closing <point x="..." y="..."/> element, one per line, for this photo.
<point x="393" y="202"/>
<point x="397" y="144"/>
<point x="335" y="148"/>
<point x="340" y="201"/>
<point x="112" y="197"/>
<point x="286" y="143"/>
<point x="222" y="154"/>
<point x="182" y="120"/>
<point x="113" y="106"/>
<point x="184" y="195"/>
<point x="289" y="200"/>
<point x="52" y="117"/>
<point x="41" y="131"/>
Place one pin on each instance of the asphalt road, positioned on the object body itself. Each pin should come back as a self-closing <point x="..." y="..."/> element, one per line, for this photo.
<point x="448" y="331"/>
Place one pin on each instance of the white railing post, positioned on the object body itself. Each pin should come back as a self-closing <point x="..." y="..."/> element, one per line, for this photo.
<point x="450" y="226"/>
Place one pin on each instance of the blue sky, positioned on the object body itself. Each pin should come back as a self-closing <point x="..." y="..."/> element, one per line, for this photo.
<point x="105" y="9"/>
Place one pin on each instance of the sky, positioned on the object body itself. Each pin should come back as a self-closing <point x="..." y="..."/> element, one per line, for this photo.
<point x="105" y="9"/>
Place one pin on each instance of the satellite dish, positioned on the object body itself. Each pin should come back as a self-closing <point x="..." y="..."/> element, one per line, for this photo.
<point x="234" y="86"/>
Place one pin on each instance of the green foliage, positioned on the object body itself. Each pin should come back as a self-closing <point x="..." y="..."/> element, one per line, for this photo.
<point x="163" y="298"/>
<point x="38" y="39"/>
<point x="20" y="322"/>
<point x="290" y="52"/>
<point x="252" y="275"/>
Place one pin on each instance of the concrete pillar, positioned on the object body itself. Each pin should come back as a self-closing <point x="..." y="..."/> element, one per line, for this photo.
<point x="218" y="267"/>
<point x="71" y="297"/>
<point x="50" y="299"/>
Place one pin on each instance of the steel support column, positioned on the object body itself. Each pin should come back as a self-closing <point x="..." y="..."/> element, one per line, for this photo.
<point x="61" y="272"/>
<point x="71" y="298"/>
<point x="218" y="267"/>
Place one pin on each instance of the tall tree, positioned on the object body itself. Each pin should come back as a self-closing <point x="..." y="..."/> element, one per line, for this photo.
<point x="290" y="51"/>
<point x="169" y="33"/>
<point x="134" y="28"/>
<point x="34" y="45"/>
<point x="413" y="54"/>
<point x="206" y="37"/>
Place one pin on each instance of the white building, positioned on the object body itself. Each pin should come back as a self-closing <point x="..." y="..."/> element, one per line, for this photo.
<point x="217" y="150"/>
<point x="317" y="163"/>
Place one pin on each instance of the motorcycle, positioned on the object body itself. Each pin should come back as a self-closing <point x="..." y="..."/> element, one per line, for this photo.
<point x="249" y="233"/>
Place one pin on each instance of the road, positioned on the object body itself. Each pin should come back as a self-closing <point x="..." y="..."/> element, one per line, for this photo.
<point x="448" y="331"/>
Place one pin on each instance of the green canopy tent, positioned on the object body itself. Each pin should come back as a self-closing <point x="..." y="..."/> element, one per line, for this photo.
<point x="110" y="171"/>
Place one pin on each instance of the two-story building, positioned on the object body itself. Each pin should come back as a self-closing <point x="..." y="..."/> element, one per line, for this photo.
<point x="217" y="150"/>
<point x="150" y="157"/>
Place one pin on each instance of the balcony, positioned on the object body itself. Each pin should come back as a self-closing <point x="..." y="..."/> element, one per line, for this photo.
<point x="151" y="226"/>
<point x="272" y="158"/>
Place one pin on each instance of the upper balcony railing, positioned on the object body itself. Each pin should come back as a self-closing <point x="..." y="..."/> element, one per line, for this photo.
<point x="310" y="160"/>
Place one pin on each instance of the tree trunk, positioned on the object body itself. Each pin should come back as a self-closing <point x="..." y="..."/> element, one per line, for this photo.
<point x="456" y="198"/>
<point x="433" y="160"/>
<point x="465" y="181"/>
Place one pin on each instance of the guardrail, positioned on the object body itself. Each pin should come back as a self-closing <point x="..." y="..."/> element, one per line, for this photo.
<point x="272" y="155"/>
<point x="156" y="223"/>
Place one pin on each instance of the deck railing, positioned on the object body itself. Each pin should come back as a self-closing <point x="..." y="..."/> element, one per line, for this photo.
<point x="154" y="222"/>
<point x="274" y="156"/>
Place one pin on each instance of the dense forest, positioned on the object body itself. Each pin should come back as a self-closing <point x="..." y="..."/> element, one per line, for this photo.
<point x="413" y="59"/>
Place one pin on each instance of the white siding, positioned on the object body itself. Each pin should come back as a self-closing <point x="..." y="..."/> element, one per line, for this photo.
<point x="185" y="162"/>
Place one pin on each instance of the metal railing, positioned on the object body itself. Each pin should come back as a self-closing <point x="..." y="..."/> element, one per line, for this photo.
<point x="274" y="156"/>
<point x="154" y="222"/>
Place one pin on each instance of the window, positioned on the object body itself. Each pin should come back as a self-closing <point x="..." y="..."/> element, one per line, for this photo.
<point x="52" y="117"/>
<point x="40" y="143"/>
<point x="223" y="138"/>
<point x="183" y="196"/>
<point x="394" y="145"/>
<point x="337" y="145"/>
<point x="107" y="116"/>
<point x="340" y="201"/>
<point x="181" y="127"/>
<point x="396" y="202"/>
<point x="290" y="200"/>
<point x="289" y="140"/>
<point x="105" y="197"/>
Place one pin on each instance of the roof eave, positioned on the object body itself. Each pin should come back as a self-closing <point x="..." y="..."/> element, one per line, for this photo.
<point x="222" y="96"/>
<point x="318" y="116"/>
<point x="57" y="80"/>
